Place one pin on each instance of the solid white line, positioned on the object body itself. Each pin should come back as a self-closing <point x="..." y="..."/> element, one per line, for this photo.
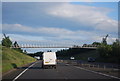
<point x="23" y="72"/>
<point x="99" y="73"/>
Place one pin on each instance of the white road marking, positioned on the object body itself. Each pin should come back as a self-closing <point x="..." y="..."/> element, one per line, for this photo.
<point x="98" y="73"/>
<point x="23" y="72"/>
<point x="67" y="64"/>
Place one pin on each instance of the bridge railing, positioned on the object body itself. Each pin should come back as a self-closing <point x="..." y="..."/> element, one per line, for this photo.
<point x="51" y="46"/>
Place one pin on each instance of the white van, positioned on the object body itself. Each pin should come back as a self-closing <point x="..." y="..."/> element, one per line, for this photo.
<point x="49" y="60"/>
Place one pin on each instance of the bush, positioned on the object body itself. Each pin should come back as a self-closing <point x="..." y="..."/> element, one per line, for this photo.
<point x="6" y="42"/>
<point x="105" y="50"/>
<point x="110" y="52"/>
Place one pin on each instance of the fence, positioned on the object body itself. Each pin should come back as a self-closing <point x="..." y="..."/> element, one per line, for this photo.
<point x="92" y="65"/>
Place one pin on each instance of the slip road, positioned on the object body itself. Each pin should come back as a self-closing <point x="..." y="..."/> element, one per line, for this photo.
<point x="63" y="71"/>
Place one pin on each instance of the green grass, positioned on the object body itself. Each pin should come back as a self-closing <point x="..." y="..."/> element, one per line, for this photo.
<point x="12" y="59"/>
<point x="0" y="59"/>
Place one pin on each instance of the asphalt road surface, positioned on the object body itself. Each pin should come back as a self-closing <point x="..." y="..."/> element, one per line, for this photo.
<point x="63" y="71"/>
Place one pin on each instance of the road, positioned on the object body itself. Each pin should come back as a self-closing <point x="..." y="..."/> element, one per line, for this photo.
<point x="63" y="71"/>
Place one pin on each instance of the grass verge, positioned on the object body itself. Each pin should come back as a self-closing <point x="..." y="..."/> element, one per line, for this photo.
<point x="12" y="59"/>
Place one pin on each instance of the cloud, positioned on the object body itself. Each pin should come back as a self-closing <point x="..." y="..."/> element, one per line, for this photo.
<point x="64" y="15"/>
<point x="48" y="31"/>
<point x="53" y="31"/>
<point x="89" y="16"/>
<point x="41" y="23"/>
<point x="51" y="34"/>
<point x="90" y="22"/>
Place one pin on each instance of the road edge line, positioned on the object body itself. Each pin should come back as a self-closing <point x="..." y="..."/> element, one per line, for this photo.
<point x="22" y="72"/>
<point x="98" y="73"/>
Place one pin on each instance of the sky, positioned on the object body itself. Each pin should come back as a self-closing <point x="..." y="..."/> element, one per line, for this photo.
<point x="60" y="23"/>
<point x="59" y="0"/>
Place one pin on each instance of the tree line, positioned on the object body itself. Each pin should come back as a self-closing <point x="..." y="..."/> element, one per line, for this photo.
<point x="6" y="42"/>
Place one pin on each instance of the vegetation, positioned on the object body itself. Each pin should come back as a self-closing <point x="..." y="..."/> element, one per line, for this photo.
<point x="84" y="55"/>
<point x="35" y="54"/>
<point x="6" y="41"/>
<point x="104" y="40"/>
<point x="96" y="43"/>
<point x="78" y="53"/>
<point x="81" y="55"/>
<point x="12" y="59"/>
<point x="104" y="53"/>
<point x="17" y="49"/>
<point x="110" y="53"/>
<point x="0" y="58"/>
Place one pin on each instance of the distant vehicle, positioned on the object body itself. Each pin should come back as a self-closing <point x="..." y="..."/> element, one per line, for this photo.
<point x="49" y="60"/>
<point x="72" y="58"/>
<point x="91" y="59"/>
<point x="37" y="57"/>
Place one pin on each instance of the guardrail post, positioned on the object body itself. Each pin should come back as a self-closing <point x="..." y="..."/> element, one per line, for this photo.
<point x="112" y="67"/>
<point x="98" y="66"/>
<point x="104" y="67"/>
<point x="89" y="65"/>
<point x="81" y="64"/>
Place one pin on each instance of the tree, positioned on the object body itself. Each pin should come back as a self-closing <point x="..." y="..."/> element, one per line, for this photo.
<point x="25" y="51"/>
<point x="116" y="48"/>
<point x="17" y="49"/>
<point x="96" y="43"/>
<point x="6" y="41"/>
<point x="84" y="45"/>
<point x="104" y="40"/>
<point x="16" y="44"/>
<point x="110" y="53"/>
<point x="105" y="50"/>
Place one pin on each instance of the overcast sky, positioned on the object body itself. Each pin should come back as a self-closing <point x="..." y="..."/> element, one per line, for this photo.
<point x="60" y="22"/>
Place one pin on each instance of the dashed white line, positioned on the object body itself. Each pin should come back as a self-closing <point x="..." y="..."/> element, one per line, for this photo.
<point x="98" y="73"/>
<point x="23" y="72"/>
<point x="67" y="64"/>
